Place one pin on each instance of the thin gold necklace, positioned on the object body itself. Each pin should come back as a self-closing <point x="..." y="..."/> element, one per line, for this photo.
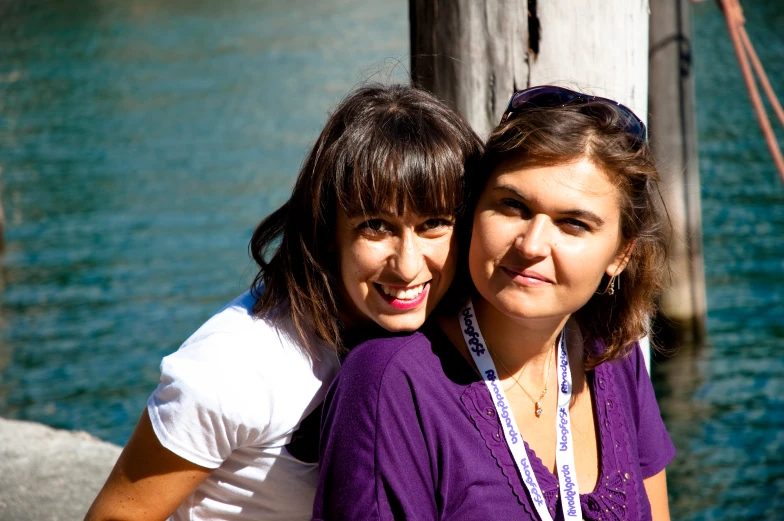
<point x="537" y="403"/>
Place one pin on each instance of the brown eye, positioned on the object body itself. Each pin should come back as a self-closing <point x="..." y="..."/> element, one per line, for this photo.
<point x="374" y="226"/>
<point x="575" y="226"/>
<point x="515" y="206"/>
<point x="436" y="223"/>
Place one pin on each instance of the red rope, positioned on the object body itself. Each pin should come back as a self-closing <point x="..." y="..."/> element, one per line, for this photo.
<point x="763" y="78"/>
<point x="740" y="40"/>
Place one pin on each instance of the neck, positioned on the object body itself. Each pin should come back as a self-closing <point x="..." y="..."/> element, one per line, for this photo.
<point x="518" y="343"/>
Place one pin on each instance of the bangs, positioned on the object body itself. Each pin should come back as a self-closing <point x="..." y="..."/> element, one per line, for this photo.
<point x="415" y="171"/>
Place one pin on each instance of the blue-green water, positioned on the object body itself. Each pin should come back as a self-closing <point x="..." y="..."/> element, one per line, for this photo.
<point x="724" y="403"/>
<point x="141" y="141"/>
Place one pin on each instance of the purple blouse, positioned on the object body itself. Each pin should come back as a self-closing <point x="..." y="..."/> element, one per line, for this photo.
<point x="409" y="431"/>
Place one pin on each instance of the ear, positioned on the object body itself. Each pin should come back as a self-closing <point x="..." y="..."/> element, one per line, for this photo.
<point x="621" y="259"/>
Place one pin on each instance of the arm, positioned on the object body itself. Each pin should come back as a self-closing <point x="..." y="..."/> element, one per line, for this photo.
<point x="147" y="482"/>
<point x="656" y="488"/>
<point x="655" y="449"/>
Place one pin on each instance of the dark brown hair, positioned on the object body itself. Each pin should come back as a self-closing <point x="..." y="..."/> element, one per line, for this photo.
<point x="555" y="136"/>
<point x="384" y="147"/>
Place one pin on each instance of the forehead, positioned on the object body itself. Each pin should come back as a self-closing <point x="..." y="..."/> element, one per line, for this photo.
<point x="576" y="180"/>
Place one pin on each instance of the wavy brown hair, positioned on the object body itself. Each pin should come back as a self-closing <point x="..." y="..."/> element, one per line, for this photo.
<point x="383" y="147"/>
<point x="555" y="136"/>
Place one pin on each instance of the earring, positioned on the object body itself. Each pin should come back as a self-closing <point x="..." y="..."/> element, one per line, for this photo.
<point x="610" y="288"/>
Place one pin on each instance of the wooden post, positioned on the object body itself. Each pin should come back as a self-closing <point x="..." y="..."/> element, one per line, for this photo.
<point x="673" y="132"/>
<point x="471" y="54"/>
<point x="475" y="54"/>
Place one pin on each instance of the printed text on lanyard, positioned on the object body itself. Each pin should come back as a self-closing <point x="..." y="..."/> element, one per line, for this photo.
<point x="564" y="454"/>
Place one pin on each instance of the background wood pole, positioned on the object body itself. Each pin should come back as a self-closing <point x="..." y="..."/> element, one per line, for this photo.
<point x="474" y="54"/>
<point x="673" y="132"/>
<point x="470" y="53"/>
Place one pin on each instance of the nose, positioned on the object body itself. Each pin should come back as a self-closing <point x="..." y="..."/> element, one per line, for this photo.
<point x="535" y="241"/>
<point x="408" y="259"/>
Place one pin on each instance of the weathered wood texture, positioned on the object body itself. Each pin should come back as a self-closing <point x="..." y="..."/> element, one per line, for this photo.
<point x="599" y="46"/>
<point x="673" y="133"/>
<point x="474" y="54"/>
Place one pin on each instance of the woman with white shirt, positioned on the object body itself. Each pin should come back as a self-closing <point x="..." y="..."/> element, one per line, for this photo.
<point x="364" y="243"/>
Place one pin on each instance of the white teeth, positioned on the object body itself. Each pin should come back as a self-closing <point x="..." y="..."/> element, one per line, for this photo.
<point x="401" y="293"/>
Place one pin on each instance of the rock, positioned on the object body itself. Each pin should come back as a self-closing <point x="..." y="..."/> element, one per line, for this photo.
<point x="48" y="474"/>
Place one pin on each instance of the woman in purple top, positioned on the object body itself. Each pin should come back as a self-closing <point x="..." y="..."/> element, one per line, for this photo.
<point x="530" y="399"/>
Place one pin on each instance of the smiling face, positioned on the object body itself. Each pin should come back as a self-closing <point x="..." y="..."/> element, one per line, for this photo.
<point x="394" y="269"/>
<point x="543" y="237"/>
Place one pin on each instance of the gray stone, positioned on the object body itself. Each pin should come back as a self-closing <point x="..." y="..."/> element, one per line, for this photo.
<point x="48" y="474"/>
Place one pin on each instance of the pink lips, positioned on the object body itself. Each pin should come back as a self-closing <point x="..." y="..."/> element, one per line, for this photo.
<point x="528" y="278"/>
<point x="406" y="304"/>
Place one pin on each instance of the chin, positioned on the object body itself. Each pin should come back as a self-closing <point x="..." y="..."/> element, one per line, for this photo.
<point x="516" y="306"/>
<point x="401" y="324"/>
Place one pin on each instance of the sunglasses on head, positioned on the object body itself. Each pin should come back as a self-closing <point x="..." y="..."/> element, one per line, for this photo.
<point x="550" y="96"/>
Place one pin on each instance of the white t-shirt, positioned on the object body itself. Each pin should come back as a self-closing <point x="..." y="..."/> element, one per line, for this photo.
<point x="231" y="399"/>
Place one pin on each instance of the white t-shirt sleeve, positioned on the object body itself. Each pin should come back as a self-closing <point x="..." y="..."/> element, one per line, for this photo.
<point x="210" y="400"/>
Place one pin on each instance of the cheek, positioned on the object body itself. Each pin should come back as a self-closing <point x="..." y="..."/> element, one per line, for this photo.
<point x="475" y="254"/>
<point x="478" y="259"/>
<point x="475" y="249"/>
<point x="359" y="260"/>
<point x="440" y="256"/>
<point x="490" y="240"/>
<point x="447" y="258"/>
<point x="584" y="261"/>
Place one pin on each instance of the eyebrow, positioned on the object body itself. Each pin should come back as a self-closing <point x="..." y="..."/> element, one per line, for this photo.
<point x="572" y="212"/>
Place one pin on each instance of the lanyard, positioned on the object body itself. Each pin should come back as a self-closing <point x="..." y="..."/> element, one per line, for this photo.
<point x="564" y="454"/>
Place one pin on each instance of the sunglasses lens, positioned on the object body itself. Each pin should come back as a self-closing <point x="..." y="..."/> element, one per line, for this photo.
<point x="627" y="121"/>
<point x="543" y="97"/>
